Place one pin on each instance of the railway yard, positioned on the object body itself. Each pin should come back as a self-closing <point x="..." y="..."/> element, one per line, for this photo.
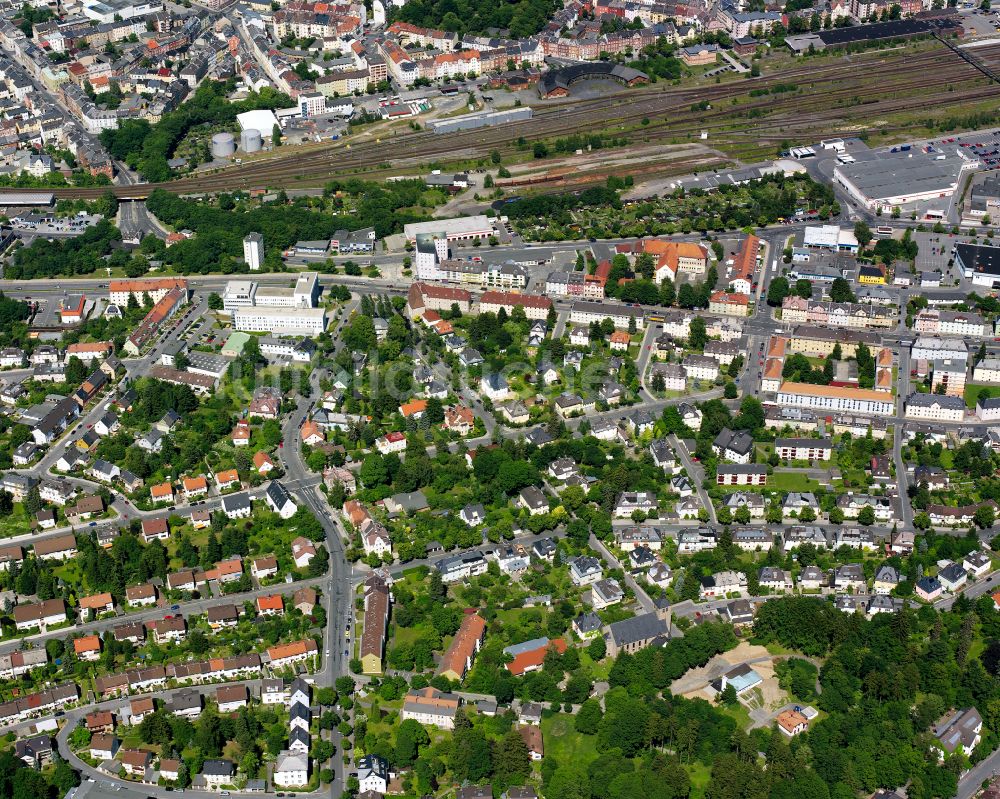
<point x="881" y="93"/>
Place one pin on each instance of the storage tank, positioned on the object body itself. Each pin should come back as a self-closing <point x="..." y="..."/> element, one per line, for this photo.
<point x="223" y="145"/>
<point x="250" y="141"/>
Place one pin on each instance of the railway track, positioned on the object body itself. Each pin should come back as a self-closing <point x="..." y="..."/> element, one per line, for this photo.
<point x="669" y="113"/>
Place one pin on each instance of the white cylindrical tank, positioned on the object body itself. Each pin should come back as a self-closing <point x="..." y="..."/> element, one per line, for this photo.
<point x="250" y="141"/>
<point x="223" y="145"/>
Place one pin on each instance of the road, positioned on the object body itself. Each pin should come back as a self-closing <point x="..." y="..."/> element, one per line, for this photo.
<point x="697" y="477"/>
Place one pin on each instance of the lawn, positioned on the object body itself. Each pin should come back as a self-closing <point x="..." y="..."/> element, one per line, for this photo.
<point x="791" y="481"/>
<point x="564" y="744"/>
<point x="738" y="712"/>
<point x="972" y="391"/>
<point x="699" y="774"/>
<point x="597" y="670"/>
<point x="16" y="523"/>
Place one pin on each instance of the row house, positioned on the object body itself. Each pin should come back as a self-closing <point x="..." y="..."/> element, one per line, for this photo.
<point x="38" y="704"/>
<point x="857" y="316"/>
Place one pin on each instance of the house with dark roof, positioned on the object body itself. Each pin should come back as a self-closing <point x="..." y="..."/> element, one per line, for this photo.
<point x="638" y="632"/>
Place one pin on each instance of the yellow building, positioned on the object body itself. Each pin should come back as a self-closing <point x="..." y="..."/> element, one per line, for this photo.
<point x="872" y="275"/>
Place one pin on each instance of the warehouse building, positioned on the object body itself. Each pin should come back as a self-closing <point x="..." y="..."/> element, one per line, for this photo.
<point x="481" y="119"/>
<point x="463" y="228"/>
<point x="978" y="263"/>
<point x="900" y="179"/>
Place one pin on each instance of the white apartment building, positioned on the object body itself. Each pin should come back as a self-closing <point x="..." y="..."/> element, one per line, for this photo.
<point x="987" y="371"/>
<point x="935" y="408"/>
<point x="253" y="251"/>
<point x="835" y="398"/>
<point x="279" y="321"/>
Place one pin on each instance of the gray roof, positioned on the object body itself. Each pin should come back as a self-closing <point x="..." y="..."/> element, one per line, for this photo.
<point x="638" y="628"/>
<point x="221" y="768"/>
<point x="903" y="174"/>
<point x="941" y="400"/>
<point x="234" y="502"/>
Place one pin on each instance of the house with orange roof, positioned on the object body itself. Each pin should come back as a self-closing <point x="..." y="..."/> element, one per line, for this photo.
<point x="620" y="340"/>
<point x="883" y="380"/>
<point x="227" y="479"/>
<point x="88" y="647"/>
<point x="675" y="258"/>
<point x="729" y="304"/>
<point x="97" y="604"/>
<point x="414" y="408"/>
<point x="777" y="347"/>
<point x="288" y="654"/>
<point x="744" y="265"/>
<point x="226" y="571"/>
<point x="530" y="655"/>
<point x="262" y="462"/>
<point x="459" y="419"/>
<point x="195" y="486"/>
<point x="273" y="605"/>
<point x="163" y="492"/>
<point x="356" y="513"/>
<point x="791" y="722"/>
<point x="311" y="434"/>
<point x="241" y="435"/>
<point x="463" y="648"/>
<point x="772" y="374"/>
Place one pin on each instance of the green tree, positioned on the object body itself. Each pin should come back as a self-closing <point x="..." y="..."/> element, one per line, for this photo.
<point x="512" y="761"/>
<point x="985" y="516"/>
<point x="840" y="291"/>
<point x="588" y="719"/>
<point x="777" y="291"/>
<point x="697" y="337"/>
<point x="862" y="233"/>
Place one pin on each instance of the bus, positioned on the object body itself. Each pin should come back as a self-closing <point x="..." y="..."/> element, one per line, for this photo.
<point x="883" y="231"/>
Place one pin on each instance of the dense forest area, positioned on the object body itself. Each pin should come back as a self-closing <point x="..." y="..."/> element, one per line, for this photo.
<point x="219" y="229"/>
<point x="522" y="18"/>
<point x="80" y="255"/>
<point x="884" y="682"/>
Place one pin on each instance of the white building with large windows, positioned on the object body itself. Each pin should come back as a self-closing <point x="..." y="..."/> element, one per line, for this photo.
<point x="280" y="321"/>
<point x="835" y="398"/>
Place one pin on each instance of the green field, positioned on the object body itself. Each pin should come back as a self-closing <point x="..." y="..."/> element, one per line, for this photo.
<point x="791" y="481"/>
<point x="564" y="744"/>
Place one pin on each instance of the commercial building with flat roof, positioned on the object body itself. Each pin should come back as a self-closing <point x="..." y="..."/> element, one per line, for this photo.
<point x="462" y="228"/>
<point x="979" y="263"/>
<point x="900" y="179"/>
